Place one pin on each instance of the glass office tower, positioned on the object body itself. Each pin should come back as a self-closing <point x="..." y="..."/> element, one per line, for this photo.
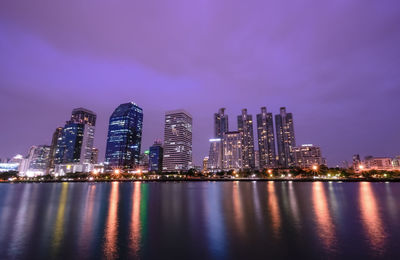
<point x="124" y="137"/>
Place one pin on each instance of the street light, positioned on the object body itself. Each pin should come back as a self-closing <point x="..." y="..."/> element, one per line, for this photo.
<point x="116" y="171"/>
<point x="315" y="169"/>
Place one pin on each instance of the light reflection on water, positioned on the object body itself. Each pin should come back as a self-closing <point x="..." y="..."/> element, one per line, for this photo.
<point x="371" y="218"/>
<point x="274" y="208"/>
<point x="110" y="244"/>
<point x="199" y="220"/>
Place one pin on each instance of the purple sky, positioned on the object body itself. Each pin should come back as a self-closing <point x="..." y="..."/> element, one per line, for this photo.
<point x="334" y="64"/>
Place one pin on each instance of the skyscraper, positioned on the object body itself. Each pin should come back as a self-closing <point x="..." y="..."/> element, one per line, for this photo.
<point x="266" y="139"/>
<point x="215" y="155"/>
<point x="221" y="123"/>
<point x="221" y="126"/>
<point x="76" y="142"/>
<point x="124" y="137"/>
<point x="245" y="126"/>
<point x="177" y="141"/>
<point x="156" y="157"/>
<point x="57" y="137"/>
<point x="285" y="138"/>
<point x="232" y="145"/>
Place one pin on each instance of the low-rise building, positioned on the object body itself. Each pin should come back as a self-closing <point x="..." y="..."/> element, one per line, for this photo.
<point x="308" y="155"/>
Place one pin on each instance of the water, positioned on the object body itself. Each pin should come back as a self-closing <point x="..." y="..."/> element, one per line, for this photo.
<point x="200" y="220"/>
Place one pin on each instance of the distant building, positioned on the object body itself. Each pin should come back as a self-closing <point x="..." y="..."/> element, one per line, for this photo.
<point x="124" y="137"/>
<point x="245" y="126"/>
<point x="205" y="164"/>
<point x="308" y="155"/>
<point x="177" y="141"/>
<point x="266" y="139"/>
<point x="285" y="138"/>
<point x="215" y="155"/>
<point x="38" y="161"/>
<point x="356" y="162"/>
<point x="11" y="165"/>
<point x="144" y="161"/>
<point x="57" y="138"/>
<point x="221" y="126"/>
<point x="156" y="157"/>
<point x="221" y="123"/>
<point x="232" y="145"/>
<point x="378" y="163"/>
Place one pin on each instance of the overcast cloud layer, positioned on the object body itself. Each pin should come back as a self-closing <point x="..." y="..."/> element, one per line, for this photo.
<point x="334" y="64"/>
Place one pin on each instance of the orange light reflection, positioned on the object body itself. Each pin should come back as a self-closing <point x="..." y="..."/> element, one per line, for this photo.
<point x="274" y="208"/>
<point x="370" y="217"/>
<point x="135" y="223"/>
<point x="110" y="247"/>
<point x="326" y="230"/>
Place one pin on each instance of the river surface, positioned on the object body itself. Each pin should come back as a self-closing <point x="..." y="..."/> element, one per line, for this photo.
<point x="200" y="220"/>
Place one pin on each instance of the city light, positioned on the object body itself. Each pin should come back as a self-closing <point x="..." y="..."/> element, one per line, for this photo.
<point x="116" y="171"/>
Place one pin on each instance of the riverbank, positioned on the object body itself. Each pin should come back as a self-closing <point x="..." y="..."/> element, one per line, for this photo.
<point x="212" y="180"/>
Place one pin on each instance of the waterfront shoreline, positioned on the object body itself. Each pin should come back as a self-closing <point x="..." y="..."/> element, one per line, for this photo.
<point x="214" y="180"/>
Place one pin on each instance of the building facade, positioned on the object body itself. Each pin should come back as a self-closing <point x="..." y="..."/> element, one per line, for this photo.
<point x="266" y="139"/>
<point x="221" y="123"/>
<point x="285" y="138"/>
<point x="245" y="126"/>
<point x="124" y="137"/>
<point x="57" y="137"/>
<point x="215" y="155"/>
<point x="39" y="159"/>
<point x="233" y="155"/>
<point x="177" y="141"/>
<point x="156" y="157"/>
<point x="378" y="163"/>
<point x="308" y="155"/>
<point x="77" y="137"/>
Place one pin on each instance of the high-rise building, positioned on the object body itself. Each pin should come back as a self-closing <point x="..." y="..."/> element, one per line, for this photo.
<point x="177" y="141"/>
<point x="221" y="126"/>
<point x="156" y="157"/>
<point x="307" y="156"/>
<point x="95" y="156"/>
<point x="266" y="139"/>
<point x="215" y="155"/>
<point x="221" y="123"/>
<point x="245" y="125"/>
<point x="205" y="164"/>
<point x="57" y="137"/>
<point x="256" y="159"/>
<point x="285" y="138"/>
<point x="232" y="145"/>
<point x="77" y="138"/>
<point x="124" y="137"/>
<point x="83" y="116"/>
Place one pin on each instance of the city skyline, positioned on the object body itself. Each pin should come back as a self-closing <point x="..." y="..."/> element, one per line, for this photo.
<point x="341" y="84"/>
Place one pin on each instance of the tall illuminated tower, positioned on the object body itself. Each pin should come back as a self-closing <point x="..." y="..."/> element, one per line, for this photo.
<point x="124" y="137"/>
<point x="285" y="138"/>
<point x="245" y="126"/>
<point x="266" y="139"/>
<point x="177" y="141"/>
